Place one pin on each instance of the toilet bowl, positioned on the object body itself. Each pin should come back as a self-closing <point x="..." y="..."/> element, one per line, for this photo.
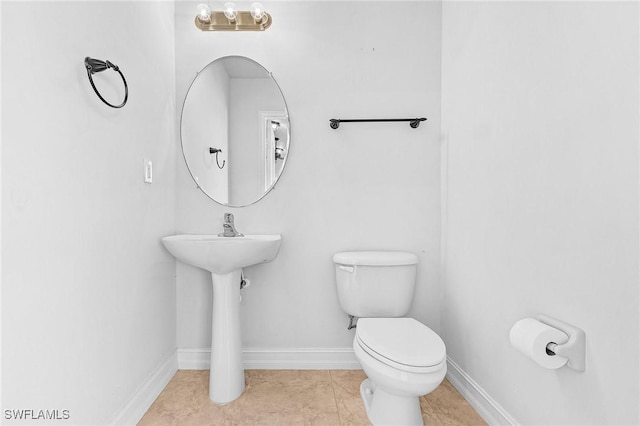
<point x="403" y="360"/>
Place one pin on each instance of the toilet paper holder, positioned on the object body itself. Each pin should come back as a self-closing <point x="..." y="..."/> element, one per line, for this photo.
<point x="573" y="349"/>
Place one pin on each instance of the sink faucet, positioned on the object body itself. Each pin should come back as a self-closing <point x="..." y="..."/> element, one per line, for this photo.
<point x="229" y="227"/>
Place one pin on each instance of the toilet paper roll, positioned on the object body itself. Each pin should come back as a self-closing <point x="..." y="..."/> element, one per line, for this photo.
<point x="531" y="337"/>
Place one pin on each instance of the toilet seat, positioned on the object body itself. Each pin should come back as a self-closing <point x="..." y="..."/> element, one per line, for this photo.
<point x="402" y="343"/>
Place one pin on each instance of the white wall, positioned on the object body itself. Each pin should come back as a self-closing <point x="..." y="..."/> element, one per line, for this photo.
<point x="540" y="124"/>
<point x="249" y="96"/>
<point x="364" y="186"/>
<point x="88" y="307"/>
<point x="204" y="126"/>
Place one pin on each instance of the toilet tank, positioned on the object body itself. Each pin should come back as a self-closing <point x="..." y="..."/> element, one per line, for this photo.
<point x="375" y="283"/>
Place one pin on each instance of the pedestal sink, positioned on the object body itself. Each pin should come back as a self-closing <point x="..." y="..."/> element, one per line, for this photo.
<point x="224" y="257"/>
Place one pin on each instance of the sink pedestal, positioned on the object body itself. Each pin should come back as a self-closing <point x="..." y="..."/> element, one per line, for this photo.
<point x="224" y="257"/>
<point x="226" y="377"/>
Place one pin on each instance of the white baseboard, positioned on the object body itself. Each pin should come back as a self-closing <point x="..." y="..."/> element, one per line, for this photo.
<point x="277" y="359"/>
<point x="139" y="403"/>
<point x="486" y="406"/>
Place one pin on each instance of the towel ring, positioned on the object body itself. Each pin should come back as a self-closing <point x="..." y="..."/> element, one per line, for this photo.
<point x="217" y="151"/>
<point x="96" y="65"/>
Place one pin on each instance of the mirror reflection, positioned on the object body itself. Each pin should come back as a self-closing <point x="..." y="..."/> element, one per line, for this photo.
<point x="235" y="131"/>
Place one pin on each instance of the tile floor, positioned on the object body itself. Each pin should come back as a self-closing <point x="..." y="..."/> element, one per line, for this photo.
<point x="291" y="397"/>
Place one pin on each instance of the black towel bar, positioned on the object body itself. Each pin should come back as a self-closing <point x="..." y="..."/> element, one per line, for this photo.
<point x="413" y="122"/>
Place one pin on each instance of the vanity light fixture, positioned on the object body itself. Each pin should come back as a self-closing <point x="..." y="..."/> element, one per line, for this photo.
<point x="230" y="19"/>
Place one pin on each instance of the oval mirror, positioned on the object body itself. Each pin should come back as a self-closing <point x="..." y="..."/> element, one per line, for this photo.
<point x="235" y="131"/>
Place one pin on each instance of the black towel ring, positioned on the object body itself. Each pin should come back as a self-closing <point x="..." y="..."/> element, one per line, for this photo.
<point x="96" y="65"/>
<point x="217" y="151"/>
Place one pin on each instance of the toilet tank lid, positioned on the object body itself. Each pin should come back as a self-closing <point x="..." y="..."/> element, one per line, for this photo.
<point x="375" y="258"/>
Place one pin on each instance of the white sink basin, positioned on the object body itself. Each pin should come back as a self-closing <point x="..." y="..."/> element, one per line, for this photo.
<point x="221" y="255"/>
<point x="224" y="257"/>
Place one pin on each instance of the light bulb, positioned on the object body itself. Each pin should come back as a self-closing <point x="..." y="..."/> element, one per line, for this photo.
<point x="204" y="13"/>
<point x="230" y="11"/>
<point x="257" y="11"/>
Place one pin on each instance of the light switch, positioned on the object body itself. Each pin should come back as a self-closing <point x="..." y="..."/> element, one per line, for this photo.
<point x="148" y="171"/>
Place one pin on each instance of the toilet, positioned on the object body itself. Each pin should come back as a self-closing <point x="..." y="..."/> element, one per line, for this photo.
<point x="402" y="358"/>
